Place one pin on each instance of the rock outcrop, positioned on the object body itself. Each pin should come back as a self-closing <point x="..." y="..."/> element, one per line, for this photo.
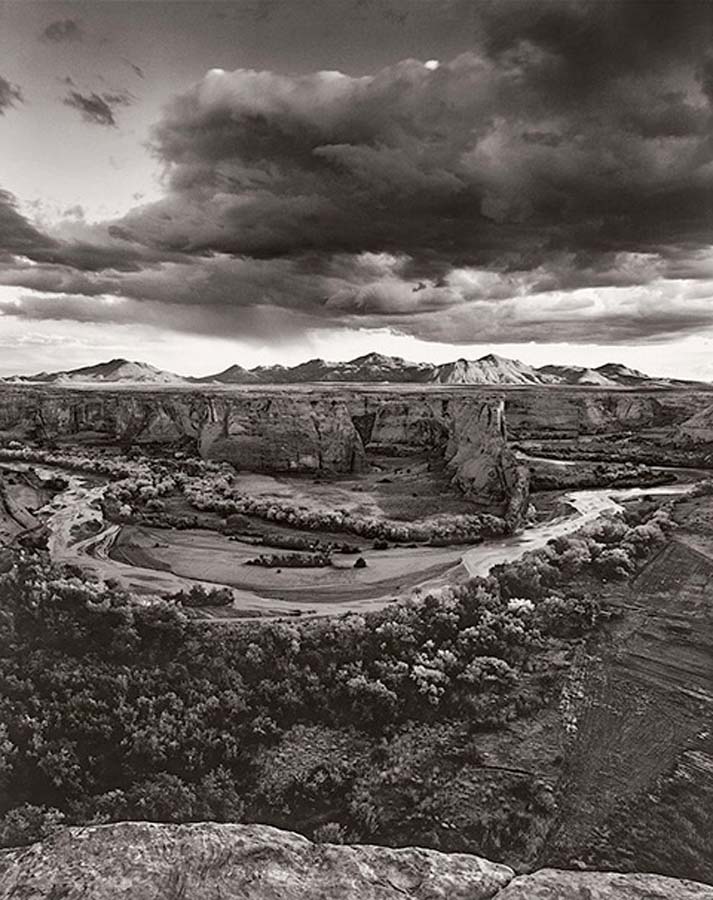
<point x="207" y="861"/>
<point x="552" y="884"/>
<point x="143" y="861"/>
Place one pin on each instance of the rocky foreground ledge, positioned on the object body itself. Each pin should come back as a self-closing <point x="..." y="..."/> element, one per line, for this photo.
<point x="145" y="861"/>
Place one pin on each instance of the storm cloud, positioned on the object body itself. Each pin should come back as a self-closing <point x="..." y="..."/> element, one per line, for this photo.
<point x="554" y="181"/>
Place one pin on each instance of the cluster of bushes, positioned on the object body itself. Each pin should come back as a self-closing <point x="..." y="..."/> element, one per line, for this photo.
<point x="311" y="545"/>
<point x="137" y="484"/>
<point x="544" y="477"/>
<point x="109" y="466"/>
<point x="198" y="595"/>
<point x="113" y="707"/>
<point x="240" y="528"/>
<point x="218" y="495"/>
<point x="610" y="548"/>
<point x="291" y="560"/>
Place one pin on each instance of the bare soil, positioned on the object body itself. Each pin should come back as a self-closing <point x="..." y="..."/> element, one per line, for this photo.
<point x="211" y="557"/>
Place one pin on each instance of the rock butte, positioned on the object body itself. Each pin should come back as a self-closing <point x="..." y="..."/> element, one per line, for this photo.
<point x="208" y="861"/>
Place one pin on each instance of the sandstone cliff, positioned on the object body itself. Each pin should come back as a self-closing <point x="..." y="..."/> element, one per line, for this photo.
<point x="264" y="432"/>
<point x="698" y="429"/>
<point x="467" y="430"/>
<point x="284" y="431"/>
<point x="580" y="411"/>
<point x="143" y="861"/>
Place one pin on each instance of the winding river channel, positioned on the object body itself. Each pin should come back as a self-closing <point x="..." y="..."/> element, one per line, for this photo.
<point x="79" y="535"/>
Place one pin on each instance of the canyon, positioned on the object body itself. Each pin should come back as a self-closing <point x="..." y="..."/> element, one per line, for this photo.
<point x="393" y="456"/>
<point x="335" y="429"/>
<point x="317" y="431"/>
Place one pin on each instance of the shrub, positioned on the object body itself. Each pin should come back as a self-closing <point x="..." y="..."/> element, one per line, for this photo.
<point x="202" y="596"/>
<point x="568" y="617"/>
<point x="329" y="833"/>
<point x="291" y="561"/>
<point x="27" y="824"/>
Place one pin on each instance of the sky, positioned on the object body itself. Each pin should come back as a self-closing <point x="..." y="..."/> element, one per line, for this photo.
<point x="258" y="181"/>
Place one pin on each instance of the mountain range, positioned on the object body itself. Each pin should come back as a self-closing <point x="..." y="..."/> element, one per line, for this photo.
<point x="372" y="368"/>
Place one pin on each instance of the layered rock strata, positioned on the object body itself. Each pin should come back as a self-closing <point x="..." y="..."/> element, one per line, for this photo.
<point x="284" y="431"/>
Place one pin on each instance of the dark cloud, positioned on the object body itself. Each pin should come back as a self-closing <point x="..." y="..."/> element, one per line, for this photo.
<point x="554" y="182"/>
<point x="17" y="235"/>
<point x="63" y="30"/>
<point x="499" y="158"/>
<point x="98" y="108"/>
<point x="10" y="95"/>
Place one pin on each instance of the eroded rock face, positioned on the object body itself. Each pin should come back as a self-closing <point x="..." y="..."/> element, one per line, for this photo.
<point x="552" y="884"/>
<point x="698" y="429"/>
<point x="469" y="430"/>
<point x="286" y="431"/>
<point x="143" y="861"/>
<point x="280" y="433"/>
<point x="557" y="412"/>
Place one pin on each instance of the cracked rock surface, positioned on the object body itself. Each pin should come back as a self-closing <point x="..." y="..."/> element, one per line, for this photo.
<point x="208" y="861"/>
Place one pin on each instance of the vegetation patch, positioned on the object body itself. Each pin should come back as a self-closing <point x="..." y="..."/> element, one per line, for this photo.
<point x="114" y="707"/>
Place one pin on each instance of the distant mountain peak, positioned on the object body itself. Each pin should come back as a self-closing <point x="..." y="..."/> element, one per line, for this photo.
<point x="114" y="370"/>
<point x="489" y="369"/>
<point x="373" y="368"/>
<point x="617" y="370"/>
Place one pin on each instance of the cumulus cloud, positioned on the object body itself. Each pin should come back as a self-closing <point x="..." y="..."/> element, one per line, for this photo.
<point x="98" y="109"/>
<point x="555" y="181"/>
<point x="63" y="31"/>
<point x="10" y="95"/>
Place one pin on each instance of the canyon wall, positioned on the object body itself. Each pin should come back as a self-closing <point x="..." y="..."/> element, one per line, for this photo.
<point x="284" y="430"/>
<point x="698" y="429"/>
<point x="208" y="861"/>
<point x="468" y="430"/>
<point x="555" y="413"/>
<point x="280" y="433"/>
